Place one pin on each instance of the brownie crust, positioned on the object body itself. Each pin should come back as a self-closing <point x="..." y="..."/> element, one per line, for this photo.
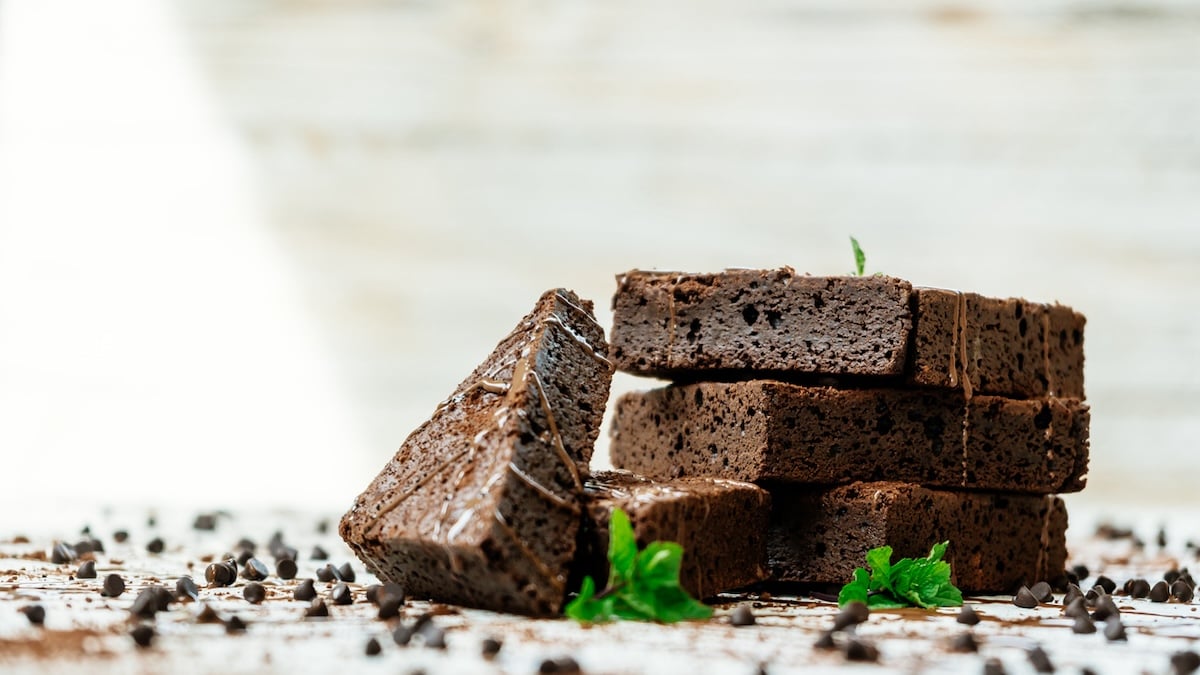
<point x="721" y="525"/>
<point x="481" y="505"/>
<point x="997" y="541"/>
<point x="763" y="430"/>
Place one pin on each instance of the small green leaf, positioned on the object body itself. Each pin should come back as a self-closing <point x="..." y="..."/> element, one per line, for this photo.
<point x="585" y="607"/>
<point x="919" y="582"/>
<point x="622" y="548"/>
<point x="856" y="590"/>
<point x="658" y="564"/>
<point x="860" y="258"/>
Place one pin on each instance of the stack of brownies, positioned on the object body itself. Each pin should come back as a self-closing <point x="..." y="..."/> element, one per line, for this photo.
<point x="872" y="413"/>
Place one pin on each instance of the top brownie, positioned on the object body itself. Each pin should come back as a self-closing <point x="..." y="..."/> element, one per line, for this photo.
<point x="741" y="324"/>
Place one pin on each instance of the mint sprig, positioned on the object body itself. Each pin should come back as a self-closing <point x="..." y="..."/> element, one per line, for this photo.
<point x="860" y="258"/>
<point x="920" y="582"/>
<point x="642" y="585"/>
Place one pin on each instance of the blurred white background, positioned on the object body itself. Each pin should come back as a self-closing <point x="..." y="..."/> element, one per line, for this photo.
<point x="247" y="246"/>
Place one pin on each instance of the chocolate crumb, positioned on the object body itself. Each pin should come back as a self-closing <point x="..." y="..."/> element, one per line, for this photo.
<point x="967" y="615"/>
<point x="142" y="635"/>
<point x="373" y="647"/>
<point x="113" y="587"/>
<point x="490" y="647"/>
<point x="305" y="591"/>
<point x="1160" y="592"/>
<point x="742" y="616"/>
<point x="35" y="613"/>
<point x="87" y="570"/>
<point x="1040" y="660"/>
<point x="1025" y="598"/>
<point x="254" y="593"/>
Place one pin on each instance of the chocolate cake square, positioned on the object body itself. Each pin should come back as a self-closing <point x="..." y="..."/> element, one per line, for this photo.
<point x="481" y="505"/>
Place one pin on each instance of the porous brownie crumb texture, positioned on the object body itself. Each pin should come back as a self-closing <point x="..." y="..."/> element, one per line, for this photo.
<point x="479" y="506"/>
<point x="721" y="525"/>
<point x="997" y="541"/>
<point x="668" y="323"/>
<point x="763" y="430"/>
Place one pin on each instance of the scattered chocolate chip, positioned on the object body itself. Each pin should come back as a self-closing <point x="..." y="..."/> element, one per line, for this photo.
<point x="1041" y="590"/>
<point x="327" y="573"/>
<point x="964" y="642"/>
<point x="1080" y="571"/>
<point x="1040" y="660"/>
<point x="372" y="594"/>
<point x="1138" y="588"/>
<point x="1025" y="598"/>
<point x="742" y="616"/>
<point x="1107" y="584"/>
<point x="1169" y="576"/>
<point x="1083" y="624"/>
<point x="967" y="615"/>
<point x="87" y="570"/>
<point x="346" y="573"/>
<point x="1093" y="595"/>
<point x="35" y="613"/>
<point x="208" y="615"/>
<point x="254" y="593"/>
<point x="1073" y="593"/>
<point x="255" y="570"/>
<point x="142" y="635"/>
<point x="83" y="547"/>
<point x="993" y="666"/>
<point x="235" y="625"/>
<point x="1076" y="608"/>
<point x="1105" y="608"/>
<point x="1184" y="662"/>
<point x="389" y="605"/>
<point x="286" y="568"/>
<point x="205" y="521"/>
<point x="341" y="595"/>
<point x="113" y="586"/>
<point x="1114" y="630"/>
<point x="120" y="536"/>
<point x="316" y="609"/>
<point x="563" y="664"/>
<point x="151" y="520"/>
<point x="62" y="553"/>
<point x="186" y="588"/>
<point x="246" y="544"/>
<point x="1186" y="577"/>
<point x="490" y="647"/>
<point x="244" y="556"/>
<point x="319" y="553"/>
<point x="156" y="545"/>
<point x="220" y="573"/>
<point x="373" y="647"/>
<point x="825" y="641"/>
<point x="434" y="636"/>
<point x="852" y="614"/>
<point x="402" y="635"/>
<point x="147" y="603"/>
<point x="1160" y="593"/>
<point x="305" y="591"/>
<point x="1181" y="591"/>
<point x="322" y="526"/>
<point x="860" y="650"/>
<point x="1161" y="537"/>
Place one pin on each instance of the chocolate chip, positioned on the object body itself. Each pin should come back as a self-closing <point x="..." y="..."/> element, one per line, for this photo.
<point x="35" y="613"/>
<point x="87" y="570"/>
<point x="490" y="647"/>
<point x="852" y="614"/>
<point x="341" y="595"/>
<point x="255" y="570"/>
<point x="1041" y="591"/>
<point x="120" y="536"/>
<point x="254" y="593"/>
<point x="113" y="586"/>
<point x="62" y="553"/>
<point x="1169" y="576"/>
<point x="235" y="625"/>
<point x="322" y="526"/>
<point x="742" y="616"/>
<point x="389" y="605"/>
<point x="1093" y="595"/>
<point x="186" y="588"/>
<point x="861" y="650"/>
<point x="1161" y="537"/>
<point x="208" y="615"/>
<point x="825" y="641"/>
<point x="563" y="664"/>
<point x="1139" y="588"/>
<point x="1160" y="593"/>
<point x="1184" y="662"/>
<point x="1040" y="660"/>
<point x="1181" y="591"/>
<point x="246" y="544"/>
<point x="1076" y="608"/>
<point x="156" y="545"/>
<point x="327" y="573"/>
<point x="83" y="547"/>
<point x="372" y="594"/>
<point x="1083" y="624"/>
<point x="205" y="521"/>
<point x="316" y="609"/>
<point x="1073" y="593"/>
<point x="319" y="553"/>
<point x="964" y="642"/>
<point x="305" y="591"/>
<point x="146" y="604"/>
<point x="1105" y="608"/>
<point x="1114" y="630"/>
<point x="1107" y="584"/>
<point x="286" y="568"/>
<point x="402" y="635"/>
<point x="993" y="666"/>
<point x="1025" y="598"/>
<point x="220" y="574"/>
<point x="434" y="636"/>
<point x="142" y="635"/>
<point x="1080" y="571"/>
<point x="245" y="556"/>
<point x="346" y="573"/>
<point x="373" y="647"/>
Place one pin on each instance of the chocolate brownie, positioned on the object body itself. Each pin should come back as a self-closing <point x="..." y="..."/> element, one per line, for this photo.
<point x="721" y="524"/>
<point x="668" y="323"/>
<point x="997" y="541"/>
<point x="763" y="430"/>
<point x="1010" y="347"/>
<point x="481" y="505"/>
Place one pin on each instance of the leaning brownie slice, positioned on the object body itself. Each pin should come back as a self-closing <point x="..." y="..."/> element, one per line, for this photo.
<point x="763" y="430"/>
<point x="671" y="324"/>
<point x="721" y="525"/>
<point x="481" y="505"/>
<point x="997" y="541"/>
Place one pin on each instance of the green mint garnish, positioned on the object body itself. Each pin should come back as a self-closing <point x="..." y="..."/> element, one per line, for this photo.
<point x="860" y="258"/>
<point x="642" y="585"/>
<point x="920" y="582"/>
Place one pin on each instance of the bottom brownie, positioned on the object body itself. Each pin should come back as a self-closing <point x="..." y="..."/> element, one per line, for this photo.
<point x="997" y="541"/>
<point x="721" y="524"/>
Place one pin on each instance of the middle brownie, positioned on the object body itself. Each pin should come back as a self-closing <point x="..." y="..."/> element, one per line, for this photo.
<point x="762" y="430"/>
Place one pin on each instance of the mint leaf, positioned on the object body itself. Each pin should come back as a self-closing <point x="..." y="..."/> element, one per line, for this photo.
<point x="860" y="258"/>
<point x="642" y="585"/>
<point x="919" y="582"/>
